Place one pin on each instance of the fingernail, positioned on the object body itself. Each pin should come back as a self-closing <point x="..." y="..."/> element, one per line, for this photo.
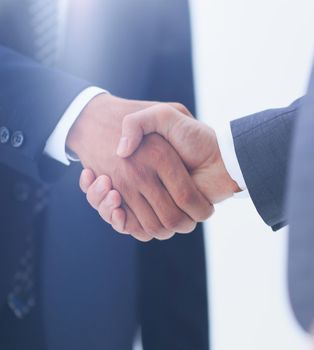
<point x="123" y="146"/>
<point x="100" y="185"/>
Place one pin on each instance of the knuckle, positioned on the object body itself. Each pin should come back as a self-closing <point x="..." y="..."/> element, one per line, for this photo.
<point x="186" y="197"/>
<point x="164" y="111"/>
<point x="163" y="108"/>
<point x="153" y="229"/>
<point x="174" y="222"/>
<point x="181" y="108"/>
<point x="205" y="212"/>
<point x="189" y="227"/>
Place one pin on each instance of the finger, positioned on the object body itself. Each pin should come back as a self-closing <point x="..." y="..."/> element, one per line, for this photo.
<point x="86" y="179"/>
<point x="99" y="189"/>
<point x="148" y="218"/>
<point x="181" y="108"/>
<point x="118" y="219"/>
<point x="159" y="118"/>
<point x="178" y="106"/>
<point x="107" y="204"/>
<point x="133" y="226"/>
<point x="124" y="221"/>
<point x="182" y="189"/>
<point x="170" y="216"/>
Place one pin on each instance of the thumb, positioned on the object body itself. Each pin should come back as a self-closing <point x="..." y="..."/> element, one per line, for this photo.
<point x="156" y="119"/>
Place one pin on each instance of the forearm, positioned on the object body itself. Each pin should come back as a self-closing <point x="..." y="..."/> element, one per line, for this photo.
<point x="33" y="98"/>
<point x="262" y="144"/>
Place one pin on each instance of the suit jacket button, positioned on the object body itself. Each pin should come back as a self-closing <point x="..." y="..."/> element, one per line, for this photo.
<point x="4" y="134"/>
<point x="17" y="139"/>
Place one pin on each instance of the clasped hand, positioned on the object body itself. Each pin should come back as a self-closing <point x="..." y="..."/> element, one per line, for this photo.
<point x="150" y="169"/>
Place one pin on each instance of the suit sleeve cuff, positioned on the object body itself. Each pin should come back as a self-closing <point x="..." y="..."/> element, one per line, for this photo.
<point x="229" y="157"/>
<point x="56" y="144"/>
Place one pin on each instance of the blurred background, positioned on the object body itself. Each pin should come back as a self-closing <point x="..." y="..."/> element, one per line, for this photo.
<point x="249" y="56"/>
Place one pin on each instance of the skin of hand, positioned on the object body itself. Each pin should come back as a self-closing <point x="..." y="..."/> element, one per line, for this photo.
<point x="195" y="142"/>
<point x="145" y="180"/>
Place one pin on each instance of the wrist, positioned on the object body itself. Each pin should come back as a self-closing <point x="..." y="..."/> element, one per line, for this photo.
<point x="230" y="185"/>
<point x="83" y="129"/>
<point x="217" y="183"/>
<point x="229" y="156"/>
<point x="225" y="186"/>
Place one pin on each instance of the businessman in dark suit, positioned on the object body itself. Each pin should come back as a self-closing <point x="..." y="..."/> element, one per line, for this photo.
<point x="86" y="277"/>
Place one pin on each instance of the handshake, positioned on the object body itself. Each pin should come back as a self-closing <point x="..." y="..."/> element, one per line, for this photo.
<point x="150" y="169"/>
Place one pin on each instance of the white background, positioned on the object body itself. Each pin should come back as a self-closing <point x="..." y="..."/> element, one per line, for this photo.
<point x="249" y="55"/>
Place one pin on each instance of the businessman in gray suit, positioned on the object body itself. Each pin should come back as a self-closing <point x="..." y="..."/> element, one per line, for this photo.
<point x="300" y="214"/>
<point x="270" y="154"/>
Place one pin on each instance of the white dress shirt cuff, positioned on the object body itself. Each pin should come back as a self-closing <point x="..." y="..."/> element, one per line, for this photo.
<point x="229" y="157"/>
<point x="56" y="144"/>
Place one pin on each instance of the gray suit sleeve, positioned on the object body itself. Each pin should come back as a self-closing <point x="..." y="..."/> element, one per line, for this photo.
<point x="262" y="143"/>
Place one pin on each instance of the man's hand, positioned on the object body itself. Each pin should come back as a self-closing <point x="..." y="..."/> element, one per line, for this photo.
<point x="195" y="142"/>
<point x="159" y="196"/>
